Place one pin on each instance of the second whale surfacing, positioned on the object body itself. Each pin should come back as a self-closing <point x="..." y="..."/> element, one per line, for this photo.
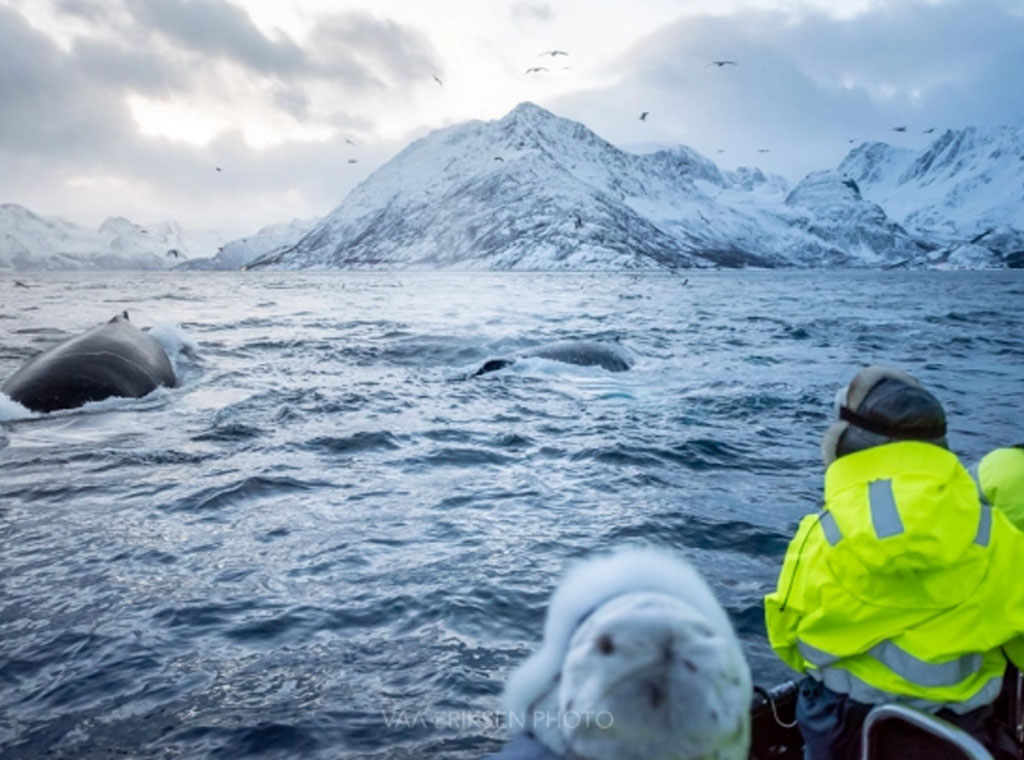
<point x="608" y="355"/>
<point x="113" y="360"/>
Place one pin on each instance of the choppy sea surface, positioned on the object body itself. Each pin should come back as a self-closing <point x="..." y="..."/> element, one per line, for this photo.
<point x="329" y="543"/>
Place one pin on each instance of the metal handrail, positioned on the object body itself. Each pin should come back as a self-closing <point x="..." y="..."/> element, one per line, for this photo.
<point x="956" y="738"/>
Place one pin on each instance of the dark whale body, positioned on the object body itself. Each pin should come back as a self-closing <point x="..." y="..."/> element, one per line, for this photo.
<point x="114" y="360"/>
<point x="611" y="357"/>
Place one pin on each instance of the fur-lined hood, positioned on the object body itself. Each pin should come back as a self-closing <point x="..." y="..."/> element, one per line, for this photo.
<point x="590" y="584"/>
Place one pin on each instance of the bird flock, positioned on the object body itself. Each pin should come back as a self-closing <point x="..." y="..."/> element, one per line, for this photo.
<point x="555" y="53"/>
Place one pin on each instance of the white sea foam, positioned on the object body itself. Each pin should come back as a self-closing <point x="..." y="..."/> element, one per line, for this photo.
<point x="178" y="345"/>
<point x="13" y="411"/>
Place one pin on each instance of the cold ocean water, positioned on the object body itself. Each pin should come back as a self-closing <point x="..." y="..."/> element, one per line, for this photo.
<point x="328" y="543"/>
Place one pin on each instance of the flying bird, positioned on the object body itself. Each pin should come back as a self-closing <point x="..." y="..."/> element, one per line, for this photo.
<point x="499" y="157"/>
<point x="536" y="69"/>
<point x="764" y="150"/>
<point x="721" y="63"/>
<point x="900" y="128"/>
<point x="930" y="130"/>
<point x="349" y="141"/>
<point x="438" y="80"/>
<point x="218" y="168"/>
<point x="352" y="160"/>
<point x="643" y="115"/>
<point x="554" y="52"/>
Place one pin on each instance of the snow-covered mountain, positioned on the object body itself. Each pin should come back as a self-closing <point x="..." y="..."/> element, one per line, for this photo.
<point x="839" y="214"/>
<point x="238" y="253"/>
<point x="28" y="241"/>
<point x="535" y="191"/>
<point x="964" y="192"/>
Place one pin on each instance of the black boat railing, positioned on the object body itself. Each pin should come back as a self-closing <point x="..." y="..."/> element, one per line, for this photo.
<point x="774" y="735"/>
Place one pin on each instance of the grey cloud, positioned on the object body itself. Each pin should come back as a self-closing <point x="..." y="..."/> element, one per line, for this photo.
<point x="370" y="52"/>
<point x="48" y="104"/>
<point x="65" y="117"/>
<point x="119" y="66"/>
<point x="294" y="101"/>
<point x="807" y="85"/>
<point x="218" y="28"/>
<point x="90" y="10"/>
<point x="356" y="50"/>
<point x="531" y="11"/>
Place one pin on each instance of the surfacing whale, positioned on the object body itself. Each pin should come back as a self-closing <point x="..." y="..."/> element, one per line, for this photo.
<point x="607" y="355"/>
<point x="114" y="360"/>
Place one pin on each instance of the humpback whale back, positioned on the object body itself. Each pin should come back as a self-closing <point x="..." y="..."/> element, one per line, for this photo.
<point x="114" y="360"/>
<point x="610" y="356"/>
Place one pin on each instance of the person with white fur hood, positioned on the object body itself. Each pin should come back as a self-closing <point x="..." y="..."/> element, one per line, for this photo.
<point x="638" y="661"/>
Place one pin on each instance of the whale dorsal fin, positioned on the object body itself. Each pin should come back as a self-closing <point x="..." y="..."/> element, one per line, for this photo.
<point x="492" y="365"/>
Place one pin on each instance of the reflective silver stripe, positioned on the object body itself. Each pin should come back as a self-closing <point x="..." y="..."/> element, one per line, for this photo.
<point x="842" y="681"/>
<point x="906" y="665"/>
<point x="924" y="673"/>
<point x="885" y="516"/>
<point x="976" y="477"/>
<point x="984" y="526"/>
<point x="815" y="656"/>
<point x="829" y="528"/>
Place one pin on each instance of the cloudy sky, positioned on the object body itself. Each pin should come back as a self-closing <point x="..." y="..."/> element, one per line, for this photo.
<point x="128" y="107"/>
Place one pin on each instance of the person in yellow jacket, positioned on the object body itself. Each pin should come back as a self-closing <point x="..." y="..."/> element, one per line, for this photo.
<point x="905" y="587"/>
<point x="1000" y="478"/>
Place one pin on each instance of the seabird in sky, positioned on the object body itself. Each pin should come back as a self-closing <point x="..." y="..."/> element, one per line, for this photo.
<point x="536" y="69"/>
<point x="643" y="115"/>
<point x="554" y="52"/>
<point x="438" y="79"/>
<point x="722" y="63"/>
<point x="900" y="128"/>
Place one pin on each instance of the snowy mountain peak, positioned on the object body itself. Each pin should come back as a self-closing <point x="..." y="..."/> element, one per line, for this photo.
<point x="966" y="150"/>
<point x="526" y="112"/>
<point x="964" y="185"/>
<point x="825" y="187"/>
<point x="29" y="241"/>
<point x="119" y="226"/>
<point x="533" y="190"/>
<point x="536" y="191"/>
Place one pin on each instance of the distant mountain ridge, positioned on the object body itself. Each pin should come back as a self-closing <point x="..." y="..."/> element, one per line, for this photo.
<point x="29" y="241"/>
<point x="964" y="192"/>
<point x="533" y="191"/>
<point x="238" y="253"/>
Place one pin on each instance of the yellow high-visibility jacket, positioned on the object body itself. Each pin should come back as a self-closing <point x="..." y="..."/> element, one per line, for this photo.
<point x="905" y="587"/>
<point x="1000" y="476"/>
